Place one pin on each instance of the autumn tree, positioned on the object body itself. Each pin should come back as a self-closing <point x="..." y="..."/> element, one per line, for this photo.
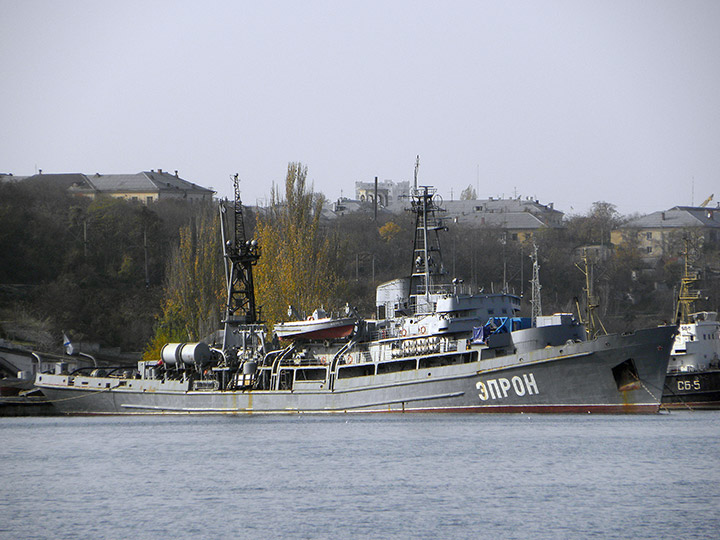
<point x="194" y="289"/>
<point x="596" y="226"/>
<point x="389" y="231"/>
<point x="297" y="266"/>
<point x="468" y="194"/>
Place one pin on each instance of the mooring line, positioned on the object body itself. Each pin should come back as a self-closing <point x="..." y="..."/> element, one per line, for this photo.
<point x="86" y="394"/>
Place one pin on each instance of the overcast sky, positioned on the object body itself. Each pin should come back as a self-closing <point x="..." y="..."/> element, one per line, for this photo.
<point x="570" y="102"/>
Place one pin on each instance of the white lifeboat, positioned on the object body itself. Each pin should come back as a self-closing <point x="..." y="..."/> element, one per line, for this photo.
<point x="318" y="326"/>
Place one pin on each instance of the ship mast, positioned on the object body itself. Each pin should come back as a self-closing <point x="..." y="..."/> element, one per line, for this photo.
<point x="535" y="300"/>
<point x="427" y="265"/>
<point x="240" y="255"/>
<point x="417" y="166"/>
<point x="688" y="294"/>
<point x="591" y="319"/>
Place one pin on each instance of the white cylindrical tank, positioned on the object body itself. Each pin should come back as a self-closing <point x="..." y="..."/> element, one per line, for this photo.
<point x="170" y="353"/>
<point x="195" y="353"/>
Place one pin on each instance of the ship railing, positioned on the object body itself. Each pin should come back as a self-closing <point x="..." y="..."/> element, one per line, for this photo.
<point x="127" y="372"/>
<point x="441" y="288"/>
<point x="383" y="333"/>
<point x="310" y="361"/>
<point x="272" y="357"/>
<point x="421" y="191"/>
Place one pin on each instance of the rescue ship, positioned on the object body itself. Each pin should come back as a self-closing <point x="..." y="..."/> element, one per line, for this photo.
<point x="431" y="346"/>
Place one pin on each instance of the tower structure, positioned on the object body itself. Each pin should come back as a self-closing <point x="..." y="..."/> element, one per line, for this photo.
<point x="427" y="267"/>
<point x="240" y="255"/>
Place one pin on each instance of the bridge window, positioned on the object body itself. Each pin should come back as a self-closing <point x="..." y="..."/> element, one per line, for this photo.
<point x="439" y="361"/>
<point x="393" y="367"/>
<point x="311" y="374"/>
<point x="364" y="370"/>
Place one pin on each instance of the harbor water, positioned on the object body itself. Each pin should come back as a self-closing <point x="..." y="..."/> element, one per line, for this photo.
<point x="361" y="476"/>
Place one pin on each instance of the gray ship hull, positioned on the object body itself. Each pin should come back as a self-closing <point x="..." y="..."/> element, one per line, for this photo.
<point x="612" y="374"/>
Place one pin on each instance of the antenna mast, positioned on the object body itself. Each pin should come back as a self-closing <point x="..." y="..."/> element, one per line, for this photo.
<point x="417" y="166"/>
<point x="591" y="320"/>
<point x="535" y="301"/>
<point x="427" y="264"/>
<point x="688" y="295"/>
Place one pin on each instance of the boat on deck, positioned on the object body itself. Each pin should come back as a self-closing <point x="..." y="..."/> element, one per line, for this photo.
<point x="432" y="345"/>
<point x="319" y="325"/>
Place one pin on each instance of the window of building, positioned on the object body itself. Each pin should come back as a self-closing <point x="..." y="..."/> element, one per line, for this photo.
<point x="648" y="236"/>
<point x="649" y="249"/>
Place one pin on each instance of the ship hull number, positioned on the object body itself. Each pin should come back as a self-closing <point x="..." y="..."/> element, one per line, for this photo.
<point x="688" y="385"/>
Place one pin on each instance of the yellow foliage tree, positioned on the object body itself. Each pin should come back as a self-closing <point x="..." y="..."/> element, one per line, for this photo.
<point x="389" y="231"/>
<point x="194" y="289"/>
<point x="297" y="266"/>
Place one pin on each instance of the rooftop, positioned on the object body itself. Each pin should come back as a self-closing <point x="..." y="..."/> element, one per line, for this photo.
<point x="143" y="182"/>
<point x="679" y="217"/>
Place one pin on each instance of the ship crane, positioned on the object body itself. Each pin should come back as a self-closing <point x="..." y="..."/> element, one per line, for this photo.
<point x="688" y="294"/>
<point x="240" y="255"/>
<point x="707" y="201"/>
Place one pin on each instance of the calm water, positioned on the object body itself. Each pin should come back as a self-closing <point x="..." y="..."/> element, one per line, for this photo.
<point x="357" y="476"/>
